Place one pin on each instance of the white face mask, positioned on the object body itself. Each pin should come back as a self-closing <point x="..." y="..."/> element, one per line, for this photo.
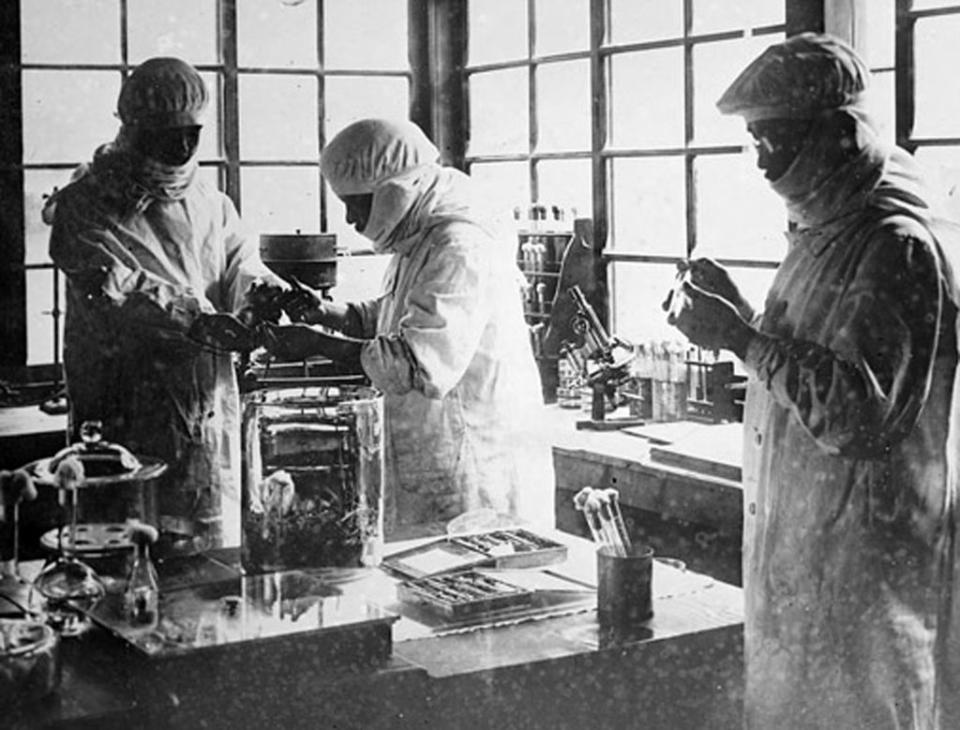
<point x="392" y="201"/>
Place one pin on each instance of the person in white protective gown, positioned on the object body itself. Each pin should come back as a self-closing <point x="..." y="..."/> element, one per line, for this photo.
<point x="157" y="264"/>
<point x="850" y="444"/>
<point x="445" y="342"/>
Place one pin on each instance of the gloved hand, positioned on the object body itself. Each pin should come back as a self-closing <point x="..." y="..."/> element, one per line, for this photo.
<point x="222" y="331"/>
<point x="296" y="342"/>
<point x="713" y="278"/>
<point x="302" y="304"/>
<point x="708" y="320"/>
<point x="263" y="303"/>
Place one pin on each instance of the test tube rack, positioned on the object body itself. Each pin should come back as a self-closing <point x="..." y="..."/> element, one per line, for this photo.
<point x="714" y="391"/>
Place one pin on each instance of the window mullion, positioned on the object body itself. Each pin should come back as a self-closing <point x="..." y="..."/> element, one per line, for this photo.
<point x="230" y="103"/>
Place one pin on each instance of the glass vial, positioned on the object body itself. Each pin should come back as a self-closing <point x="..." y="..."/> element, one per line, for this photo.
<point x="142" y="596"/>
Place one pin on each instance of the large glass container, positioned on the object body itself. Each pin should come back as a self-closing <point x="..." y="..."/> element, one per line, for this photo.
<point x="312" y="477"/>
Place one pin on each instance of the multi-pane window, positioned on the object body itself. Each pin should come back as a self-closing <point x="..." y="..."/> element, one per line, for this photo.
<point x="529" y="102"/>
<point x="621" y="122"/>
<point x="609" y="107"/>
<point x="929" y="88"/>
<point x="284" y="75"/>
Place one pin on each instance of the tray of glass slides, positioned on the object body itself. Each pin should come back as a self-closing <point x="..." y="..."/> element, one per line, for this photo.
<point x="256" y="617"/>
<point x="507" y="548"/>
<point x="484" y="597"/>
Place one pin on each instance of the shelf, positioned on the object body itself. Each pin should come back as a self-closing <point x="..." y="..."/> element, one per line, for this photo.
<point x="551" y="274"/>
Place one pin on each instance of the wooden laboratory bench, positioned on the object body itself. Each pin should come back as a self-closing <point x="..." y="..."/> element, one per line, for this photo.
<point x="684" y="669"/>
<point x="679" y="484"/>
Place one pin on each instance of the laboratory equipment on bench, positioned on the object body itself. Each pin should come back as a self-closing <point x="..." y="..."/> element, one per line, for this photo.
<point x="115" y="486"/>
<point x="601" y="510"/>
<point x="604" y="359"/>
<point x="312" y="477"/>
<point x="308" y="258"/>
<point x="715" y="392"/>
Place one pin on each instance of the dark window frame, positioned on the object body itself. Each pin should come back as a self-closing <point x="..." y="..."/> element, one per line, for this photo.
<point x="422" y="20"/>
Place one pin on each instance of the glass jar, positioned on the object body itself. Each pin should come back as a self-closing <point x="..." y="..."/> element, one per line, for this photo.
<point x="312" y="478"/>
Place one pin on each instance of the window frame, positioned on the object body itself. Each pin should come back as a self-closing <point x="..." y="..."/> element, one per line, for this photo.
<point x="228" y="161"/>
<point x="601" y="154"/>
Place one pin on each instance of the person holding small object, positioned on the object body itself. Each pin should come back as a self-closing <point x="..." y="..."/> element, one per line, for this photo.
<point x="160" y="272"/>
<point x="850" y="458"/>
<point x="445" y="342"/>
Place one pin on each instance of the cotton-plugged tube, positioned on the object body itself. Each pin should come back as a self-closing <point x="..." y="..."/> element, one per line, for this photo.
<point x="580" y="500"/>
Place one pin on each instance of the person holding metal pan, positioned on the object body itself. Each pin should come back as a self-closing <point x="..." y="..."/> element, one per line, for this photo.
<point x="446" y="341"/>
<point x="850" y="443"/>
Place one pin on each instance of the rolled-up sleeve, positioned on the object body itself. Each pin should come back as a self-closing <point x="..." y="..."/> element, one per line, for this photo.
<point x="861" y="388"/>
<point x="362" y="319"/>
<point x="444" y="318"/>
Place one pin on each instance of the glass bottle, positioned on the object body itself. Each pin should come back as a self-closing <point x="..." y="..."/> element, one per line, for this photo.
<point x="142" y="595"/>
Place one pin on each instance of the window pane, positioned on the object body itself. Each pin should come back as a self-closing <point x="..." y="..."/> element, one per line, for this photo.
<point x="210" y="143"/>
<point x="183" y="28"/>
<point x="565" y="183"/>
<point x="37" y="185"/>
<point x="211" y="174"/>
<point x="498" y="30"/>
<point x="715" y="67"/>
<point x="937" y="93"/>
<point x="880" y="28"/>
<point x="68" y="114"/>
<point x="563" y="106"/>
<point x="351" y="98"/>
<point x="647" y="98"/>
<point x="499" y="112"/>
<point x="645" y="20"/>
<point x="710" y="16"/>
<point x="277" y="34"/>
<point x="927" y="4"/>
<point x="60" y="31"/>
<point x="638" y="290"/>
<point x="278" y="117"/>
<point x="881" y="101"/>
<point x="281" y="199"/>
<point x="648" y="206"/>
<point x="39" y="315"/>
<point x="502" y="186"/>
<point x="941" y="166"/>
<point x="382" y="26"/>
<point x="562" y="27"/>
<point x="738" y="214"/>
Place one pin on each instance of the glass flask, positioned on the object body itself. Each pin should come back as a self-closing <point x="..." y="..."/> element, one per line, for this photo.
<point x="312" y="477"/>
<point x="70" y="589"/>
<point x="142" y="594"/>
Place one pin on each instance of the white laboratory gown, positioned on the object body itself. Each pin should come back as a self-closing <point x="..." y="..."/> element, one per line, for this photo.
<point x="850" y="464"/>
<point x="138" y="272"/>
<point x="451" y="352"/>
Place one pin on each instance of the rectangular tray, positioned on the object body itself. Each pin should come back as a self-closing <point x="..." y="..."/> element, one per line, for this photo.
<point x="508" y="548"/>
<point x="238" y="622"/>
<point x="464" y="594"/>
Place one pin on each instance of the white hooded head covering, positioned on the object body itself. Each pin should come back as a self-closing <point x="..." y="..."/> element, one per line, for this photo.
<point x="395" y="162"/>
<point x="798" y="78"/>
<point x="819" y="78"/>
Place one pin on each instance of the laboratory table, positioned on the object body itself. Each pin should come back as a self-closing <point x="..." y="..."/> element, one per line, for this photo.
<point x="679" y="484"/>
<point x="683" y="669"/>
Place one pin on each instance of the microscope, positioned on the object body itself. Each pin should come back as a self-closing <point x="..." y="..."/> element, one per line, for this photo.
<point x="605" y="360"/>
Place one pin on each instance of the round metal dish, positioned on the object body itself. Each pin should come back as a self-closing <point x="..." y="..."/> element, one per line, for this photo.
<point x="93" y="540"/>
<point x="149" y="469"/>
